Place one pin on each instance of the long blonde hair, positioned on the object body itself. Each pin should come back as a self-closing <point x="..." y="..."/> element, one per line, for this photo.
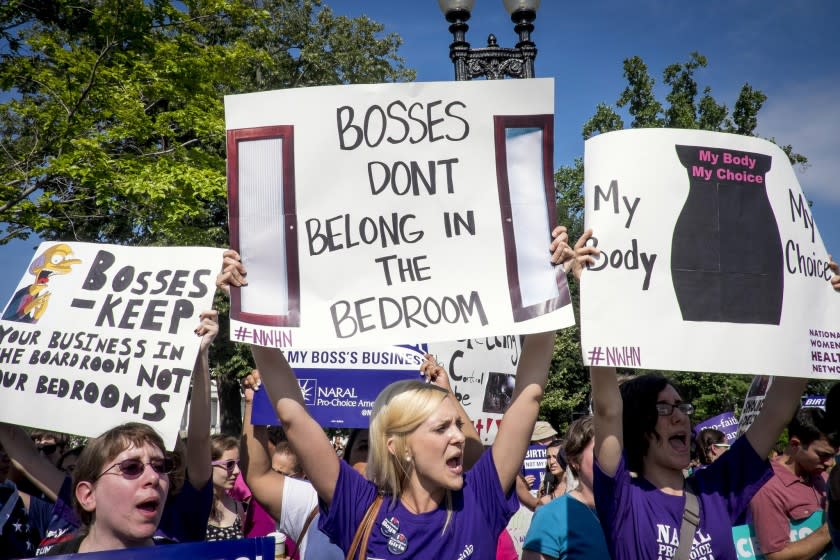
<point x="398" y="410"/>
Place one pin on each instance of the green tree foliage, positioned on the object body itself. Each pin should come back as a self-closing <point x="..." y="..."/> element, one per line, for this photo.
<point x="112" y="119"/>
<point x="114" y="130"/>
<point x="567" y="392"/>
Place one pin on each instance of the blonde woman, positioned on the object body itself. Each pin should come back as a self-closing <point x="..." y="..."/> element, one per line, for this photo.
<point x="419" y="502"/>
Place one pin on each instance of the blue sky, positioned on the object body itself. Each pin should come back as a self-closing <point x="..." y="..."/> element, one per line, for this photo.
<point x="782" y="48"/>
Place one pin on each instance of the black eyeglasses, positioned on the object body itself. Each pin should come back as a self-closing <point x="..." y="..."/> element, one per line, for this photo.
<point x="228" y="464"/>
<point x="667" y="409"/>
<point x="133" y="468"/>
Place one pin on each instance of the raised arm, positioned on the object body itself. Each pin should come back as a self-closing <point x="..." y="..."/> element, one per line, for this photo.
<point x="26" y="458"/>
<point x="607" y="409"/>
<point x="306" y="437"/>
<point x="518" y="423"/>
<point x="199" y="469"/>
<point x="607" y="406"/>
<point x="266" y="485"/>
<point x="531" y="376"/>
<point x="437" y="375"/>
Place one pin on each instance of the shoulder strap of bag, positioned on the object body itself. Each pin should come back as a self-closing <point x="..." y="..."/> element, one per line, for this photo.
<point x="690" y="521"/>
<point x="363" y="531"/>
<point x="306" y="525"/>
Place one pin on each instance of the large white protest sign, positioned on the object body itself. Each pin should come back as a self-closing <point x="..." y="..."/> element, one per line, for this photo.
<point x="98" y="335"/>
<point x="710" y="258"/>
<point x="379" y="214"/>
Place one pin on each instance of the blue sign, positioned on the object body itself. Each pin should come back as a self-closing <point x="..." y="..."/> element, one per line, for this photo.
<point x="536" y="460"/>
<point x="242" y="549"/>
<point x="335" y="398"/>
<point x="726" y="423"/>
<point x="813" y="401"/>
<point x="746" y="543"/>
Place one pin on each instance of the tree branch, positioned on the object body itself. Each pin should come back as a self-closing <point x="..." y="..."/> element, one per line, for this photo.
<point x="172" y="149"/>
<point x="23" y="194"/>
<point x="11" y="235"/>
<point x="89" y="85"/>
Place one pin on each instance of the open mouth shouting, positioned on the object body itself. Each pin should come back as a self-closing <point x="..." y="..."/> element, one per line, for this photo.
<point x="150" y="508"/>
<point x="455" y="464"/>
<point x="679" y="442"/>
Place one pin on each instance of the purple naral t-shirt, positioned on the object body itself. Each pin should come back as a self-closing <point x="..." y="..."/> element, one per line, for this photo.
<point x="480" y="511"/>
<point x="641" y="521"/>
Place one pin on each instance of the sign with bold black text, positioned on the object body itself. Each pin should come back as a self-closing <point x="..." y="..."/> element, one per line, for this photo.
<point x="97" y="335"/>
<point x="377" y="214"/>
<point x="710" y="258"/>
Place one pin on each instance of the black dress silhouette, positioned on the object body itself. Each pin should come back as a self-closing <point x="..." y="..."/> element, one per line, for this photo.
<point x="726" y="252"/>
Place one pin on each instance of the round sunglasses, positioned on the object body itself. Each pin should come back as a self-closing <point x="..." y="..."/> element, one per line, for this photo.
<point x="228" y="464"/>
<point x="133" y="468"/>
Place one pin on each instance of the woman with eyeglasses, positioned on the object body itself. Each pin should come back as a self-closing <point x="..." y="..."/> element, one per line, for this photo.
<point x="227" y="515"/>
<point x="644" y="428"/>
<point x="642" y="446"/>
<point x="120" y="486"/>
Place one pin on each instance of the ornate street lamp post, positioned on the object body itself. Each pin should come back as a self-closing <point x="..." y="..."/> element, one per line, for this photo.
<point x="493" y="62"/>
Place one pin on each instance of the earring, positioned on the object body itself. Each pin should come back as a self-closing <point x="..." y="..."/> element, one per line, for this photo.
<point x="408" y="458"/>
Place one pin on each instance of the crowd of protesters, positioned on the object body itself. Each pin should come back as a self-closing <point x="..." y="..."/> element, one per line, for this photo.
<point x="631" y="481"/>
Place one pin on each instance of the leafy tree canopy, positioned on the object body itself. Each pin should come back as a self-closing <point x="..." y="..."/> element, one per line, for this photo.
<point x="112" y="121"/>
<point x="113" y="124"/>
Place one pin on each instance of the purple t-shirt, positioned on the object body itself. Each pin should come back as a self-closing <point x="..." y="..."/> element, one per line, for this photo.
<point x="480" y="511"/>
<point x="640" y="521"/>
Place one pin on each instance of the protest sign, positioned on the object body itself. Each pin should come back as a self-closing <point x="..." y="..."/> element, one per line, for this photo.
<point x="240" y="549"/>
<point x="518" y="527"/>
<point x="482" y="372"/>
<point x="377" y="214"/>
<point x="339" y="386"/>
<point x="753" y="402"/>
<point x="813" y="401"/>
<point x="710" y="258"/>
<point x="536" y="460"/>
<point x="97" y="335"/>
<point x="747" y="547"/>
<point x="726" y="423"/>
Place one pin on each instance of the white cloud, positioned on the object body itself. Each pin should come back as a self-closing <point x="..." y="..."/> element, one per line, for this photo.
<point x="807" y="116"/>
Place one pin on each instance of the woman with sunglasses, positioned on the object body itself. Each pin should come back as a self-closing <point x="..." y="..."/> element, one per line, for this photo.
<point x="227" y="515"/>
<point x="120" y="486"/>
<point x="711" y="444"/>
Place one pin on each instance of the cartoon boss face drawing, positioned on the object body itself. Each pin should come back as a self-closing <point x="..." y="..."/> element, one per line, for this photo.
<point x="30" y="302"/>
